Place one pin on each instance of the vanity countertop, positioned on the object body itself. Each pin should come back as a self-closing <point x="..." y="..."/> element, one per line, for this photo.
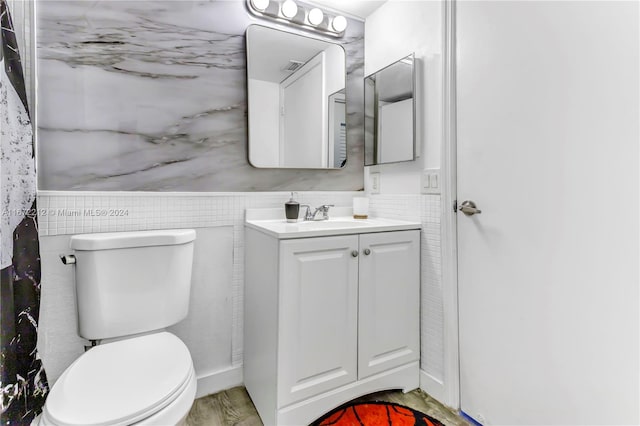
<point x="341" y="222"/>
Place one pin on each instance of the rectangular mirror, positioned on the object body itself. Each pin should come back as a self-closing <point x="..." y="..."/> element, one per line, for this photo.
<point x="296" y="85"/>
<point x="389" y="108"/>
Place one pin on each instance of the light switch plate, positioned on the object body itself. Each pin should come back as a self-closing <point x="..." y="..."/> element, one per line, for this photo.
<point x="431" y="181"/>
<point x="374" y="183"/>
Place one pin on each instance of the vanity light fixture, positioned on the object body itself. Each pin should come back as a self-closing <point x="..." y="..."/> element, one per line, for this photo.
<point x="303" y="15"/>
<point x="315" y="16"/>
<point x="260" y="5"/>
<point x="339" y="23"/>
<point x="289" y="9"/>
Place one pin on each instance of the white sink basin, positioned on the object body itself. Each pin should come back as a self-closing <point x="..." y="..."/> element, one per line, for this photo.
<point x="271" y="222"/>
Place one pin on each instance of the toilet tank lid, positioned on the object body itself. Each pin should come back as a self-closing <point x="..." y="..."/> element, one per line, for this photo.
<point x="116" y="240"/>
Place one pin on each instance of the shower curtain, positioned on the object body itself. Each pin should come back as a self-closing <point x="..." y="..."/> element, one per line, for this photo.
<point x="23" y="384"/>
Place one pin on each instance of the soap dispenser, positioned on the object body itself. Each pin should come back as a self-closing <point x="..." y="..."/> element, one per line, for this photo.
<point x="292" y="209"/>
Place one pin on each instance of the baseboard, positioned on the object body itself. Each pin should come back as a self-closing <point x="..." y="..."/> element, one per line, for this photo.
<point x="433" y="386"/>
<point x="219" y="380"/>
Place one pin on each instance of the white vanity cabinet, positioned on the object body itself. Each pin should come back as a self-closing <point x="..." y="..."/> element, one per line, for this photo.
<point x="388" y="301"/>
<point x="328" y="319"/>
<point x="318" y="316"/>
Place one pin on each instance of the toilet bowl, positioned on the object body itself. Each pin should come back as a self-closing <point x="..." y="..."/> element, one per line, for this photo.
<point x="147" y="380"/>
<point x="130" y="286"/>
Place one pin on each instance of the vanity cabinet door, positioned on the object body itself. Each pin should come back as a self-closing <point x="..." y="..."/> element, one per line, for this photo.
<point x="389" y="301"/>
<point x="317" y="348"/>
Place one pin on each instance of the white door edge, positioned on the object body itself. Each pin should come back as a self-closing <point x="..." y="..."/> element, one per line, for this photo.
<point x="451" y="380"/>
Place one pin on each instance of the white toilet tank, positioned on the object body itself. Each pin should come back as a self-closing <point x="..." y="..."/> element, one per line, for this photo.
<point x="132" y="282"/>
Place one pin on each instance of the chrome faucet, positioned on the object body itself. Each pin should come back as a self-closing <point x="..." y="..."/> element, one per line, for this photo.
<point x="324" y="209"/>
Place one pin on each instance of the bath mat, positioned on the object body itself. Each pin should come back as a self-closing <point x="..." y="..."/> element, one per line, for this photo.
<point x="376" y="414"/>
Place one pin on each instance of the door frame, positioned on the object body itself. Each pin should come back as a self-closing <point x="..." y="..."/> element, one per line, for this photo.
<point x="449" y="243"/>
<point x="318" y="60"/>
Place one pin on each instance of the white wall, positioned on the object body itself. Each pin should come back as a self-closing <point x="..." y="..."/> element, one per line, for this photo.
<point x="395" y="129"/>
<point x="211" y="291"/>
<point x="304" y="123"/>
<point x="334" y="56"/>
<point x="393" y="31"/>
<point x="264" y="119"/>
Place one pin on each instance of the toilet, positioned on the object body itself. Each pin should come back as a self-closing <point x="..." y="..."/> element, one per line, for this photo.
<point x="130" y="286"/>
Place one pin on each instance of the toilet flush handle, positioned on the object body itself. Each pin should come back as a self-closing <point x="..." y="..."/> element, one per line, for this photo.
<point x="68" y="259"/>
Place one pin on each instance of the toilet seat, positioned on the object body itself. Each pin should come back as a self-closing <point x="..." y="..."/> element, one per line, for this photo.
<point x="122" y="382"/>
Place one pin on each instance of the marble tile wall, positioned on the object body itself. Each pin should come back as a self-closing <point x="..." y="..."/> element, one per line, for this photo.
<point x="139" y="95"/>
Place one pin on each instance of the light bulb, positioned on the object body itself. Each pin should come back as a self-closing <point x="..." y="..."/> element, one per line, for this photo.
<point x="289" y="9"/>
<point x="339" y="23"/>
<point x="315" y="16"/>
<point x="260" y="4"/>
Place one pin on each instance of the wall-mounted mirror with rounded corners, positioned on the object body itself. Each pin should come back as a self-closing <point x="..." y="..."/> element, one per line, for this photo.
<point x="296" y="85"/>
<point x="389" y="113"/>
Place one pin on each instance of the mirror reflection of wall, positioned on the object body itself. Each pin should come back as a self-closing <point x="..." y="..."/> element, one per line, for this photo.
<point x="296" y="85"/>
<point x="389" y="114"/>
<point x="337" y="129"/>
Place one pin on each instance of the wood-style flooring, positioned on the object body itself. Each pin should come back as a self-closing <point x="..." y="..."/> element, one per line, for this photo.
<point x="233" y="407"/>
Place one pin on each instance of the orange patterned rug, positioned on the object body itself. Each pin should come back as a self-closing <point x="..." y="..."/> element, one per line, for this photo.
<point x="376" y="414"/>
